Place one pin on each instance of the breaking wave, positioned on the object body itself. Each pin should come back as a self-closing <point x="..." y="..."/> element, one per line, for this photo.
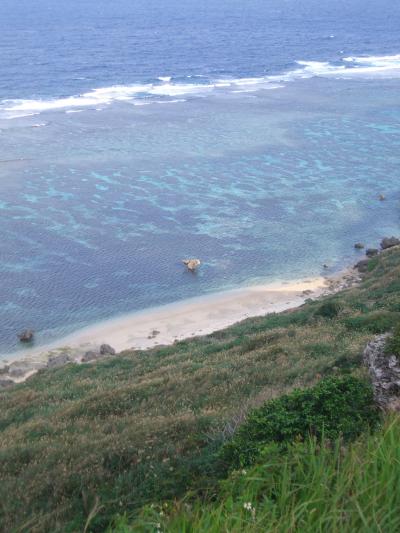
<point x="165" y="89"/>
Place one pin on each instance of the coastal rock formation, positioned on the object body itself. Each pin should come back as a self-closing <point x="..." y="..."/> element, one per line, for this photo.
<point x="26" y="335"/>
<point x="384" y="370"/>
<point x="371" y="252"/>
<point x="4" y="383"/>
<point x="359" y="246"/>
<point x="362" y="266"/>
<point x="90" y="356"/>
<point x="106" y="349"/>
<point x="389" y="242"/>
<point x="192" y="264"/>
<point x="58" y="361"/>
<point x="18" y="371"/>
<point x="4" y="370"/>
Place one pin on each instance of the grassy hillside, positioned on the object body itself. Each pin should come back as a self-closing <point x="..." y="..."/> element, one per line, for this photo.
<point x="313" y="488"/>
<point x="82" y="443"/>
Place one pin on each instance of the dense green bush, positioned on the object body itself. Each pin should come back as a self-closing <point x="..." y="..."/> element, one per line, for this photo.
<point x="393" y="344"/>
<point x="334" y="407"/>
<point x="329" y="309"/>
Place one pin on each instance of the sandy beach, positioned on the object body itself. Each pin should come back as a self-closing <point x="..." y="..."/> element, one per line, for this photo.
<point x="167" y="324"/>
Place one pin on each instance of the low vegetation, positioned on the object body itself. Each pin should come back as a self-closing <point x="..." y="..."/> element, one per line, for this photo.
<point x="81" y="444"/>
<point x="313" y="487"/>
<point x="334" y="407"/>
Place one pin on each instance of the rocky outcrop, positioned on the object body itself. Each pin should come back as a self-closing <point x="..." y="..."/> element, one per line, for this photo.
<point x="18" y="371"/>
<point x="26" y="335"/>
<point x="4" y="370"/>
<point x="384" y="370"/>
<point x="371" y="252"/>
<point x="386" y="243"/>
<point x="389" y="242"/>
<point x="106" y="349"/>
<point x="192" y="264"/>
<point x="90" y="356"/>
<point x="362" y="266"/>
<point x="4" y="383"/>
<point x="57" y="361"/>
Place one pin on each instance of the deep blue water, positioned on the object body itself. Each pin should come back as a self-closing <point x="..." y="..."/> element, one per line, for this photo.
<point x="255" y="135"/>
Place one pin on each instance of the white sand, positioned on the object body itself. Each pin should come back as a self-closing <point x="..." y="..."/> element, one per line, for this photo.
<point x="189" y="318"/>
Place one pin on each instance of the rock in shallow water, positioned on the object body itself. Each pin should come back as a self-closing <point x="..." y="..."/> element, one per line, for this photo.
<point x="192" y="264"/>
<point x="26" y="335"/>
<point x="371" y="252"/>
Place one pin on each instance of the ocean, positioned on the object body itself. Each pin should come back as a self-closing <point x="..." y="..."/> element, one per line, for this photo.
<point x="256" y="136"/>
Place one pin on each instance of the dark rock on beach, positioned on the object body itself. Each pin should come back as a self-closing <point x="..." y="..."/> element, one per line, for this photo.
<point x="362" y="266"/>
<point x="90" y="356"/>
<point x="4" y="383"/>
<point x="58" y="361"/>
<point x="106" y="349"/>
<point x="307" y="292"/>
<point x="389" y="242"/>
<point x="359" y="246"/>
<point x="26" y="335"/>
<point x="4" y="370"/>
<point x="371" y="252"/>
<point x="19" y="371"/>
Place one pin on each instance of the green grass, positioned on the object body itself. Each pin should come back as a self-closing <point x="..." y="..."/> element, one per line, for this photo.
<point x="314" y="487"/>
<point x="92" y="440"/>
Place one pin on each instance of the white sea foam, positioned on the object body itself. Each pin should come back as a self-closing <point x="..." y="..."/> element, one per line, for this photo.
<point x="143" y="94"/>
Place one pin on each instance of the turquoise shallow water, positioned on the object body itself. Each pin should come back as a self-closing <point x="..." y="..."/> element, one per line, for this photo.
<point x="98" y="207"/>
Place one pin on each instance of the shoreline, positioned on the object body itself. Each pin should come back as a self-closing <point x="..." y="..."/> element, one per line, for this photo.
<point x="167" y="324"/>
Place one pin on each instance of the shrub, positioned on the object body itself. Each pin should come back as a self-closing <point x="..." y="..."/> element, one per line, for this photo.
<point x="329" y="309"/>
<point x="334" y="407"/>
<point x="376" y="322"/>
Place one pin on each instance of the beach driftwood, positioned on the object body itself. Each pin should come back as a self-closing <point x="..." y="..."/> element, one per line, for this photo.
<point x="191" y="264"/>
<point x="26" y="335"/>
